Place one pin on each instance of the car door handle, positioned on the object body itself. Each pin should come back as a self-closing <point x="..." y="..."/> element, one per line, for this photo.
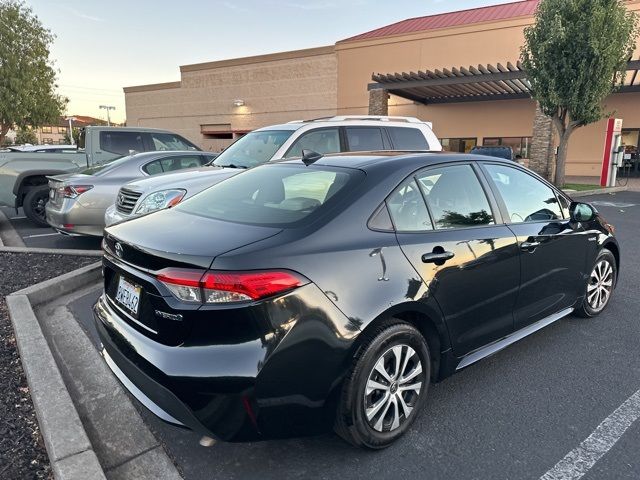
<point x="437" y="257"/>
<point x="529" y="246"/>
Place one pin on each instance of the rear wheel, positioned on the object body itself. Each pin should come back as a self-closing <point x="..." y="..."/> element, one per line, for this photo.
<point x="34" y="204"/>
<point x="386" y="387"/>
<point x="600" y="285"/>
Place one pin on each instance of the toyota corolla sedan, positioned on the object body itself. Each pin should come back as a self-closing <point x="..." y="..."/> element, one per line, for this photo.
<point x="307" y="295"/>
<point x="78" y="201"/>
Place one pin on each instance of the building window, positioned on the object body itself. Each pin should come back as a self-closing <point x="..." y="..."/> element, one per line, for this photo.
<point x="62" y="142"/>
<point x="62" y="130"/>
<point x="459" y="145"/>
<point x="47" y="130"/>
<point x="521" y="146"/>
<point x="47" y="141"/>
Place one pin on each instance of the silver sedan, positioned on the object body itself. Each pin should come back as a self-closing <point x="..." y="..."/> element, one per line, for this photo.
<point x="78" y="201"/>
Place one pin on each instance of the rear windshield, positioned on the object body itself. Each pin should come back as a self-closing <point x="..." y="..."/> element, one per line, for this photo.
<point x="273" y="195"/>
<point x="253" y="149"/>
<point x="102" y="168"/>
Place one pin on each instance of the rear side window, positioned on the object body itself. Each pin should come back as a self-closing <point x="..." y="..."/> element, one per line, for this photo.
<point x="121" y="143"/>
<point x="324" y="140"/>
<point x="363" y="139"/>
<point x="273" y="195"/>
<point x="174" y="163"/>
<point x="407" y="138"/>
<point x="408" y="210"/>
<point x="455" y="197"/>
<point x="171" y="141"/>
<point x="527" y="199"/>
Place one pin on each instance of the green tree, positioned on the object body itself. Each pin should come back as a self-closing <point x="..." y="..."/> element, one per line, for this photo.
<point x="27" y="76"/>
<point x="575" y="56"/>
<point x="26" y="135"/>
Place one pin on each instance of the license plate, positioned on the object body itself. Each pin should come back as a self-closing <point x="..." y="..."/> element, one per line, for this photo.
<point x="128" y="295"/>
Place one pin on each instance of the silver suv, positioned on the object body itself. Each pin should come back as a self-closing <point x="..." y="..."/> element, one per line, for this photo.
<point x="350" y="133"/>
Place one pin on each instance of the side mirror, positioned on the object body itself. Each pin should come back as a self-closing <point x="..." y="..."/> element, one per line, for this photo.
<point x="582" y="212"/>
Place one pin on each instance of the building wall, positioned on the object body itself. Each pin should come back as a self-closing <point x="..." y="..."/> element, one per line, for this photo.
<point x="275" y="88"/>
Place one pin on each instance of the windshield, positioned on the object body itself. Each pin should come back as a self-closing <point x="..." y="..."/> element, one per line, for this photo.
<point x="104" y="167"/>
<point x="253" y="149"/>
<point x="273" y="195"/>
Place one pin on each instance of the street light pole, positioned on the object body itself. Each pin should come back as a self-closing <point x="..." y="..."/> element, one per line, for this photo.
<point x="107" y="108"/>
<point x="71" y="120"/>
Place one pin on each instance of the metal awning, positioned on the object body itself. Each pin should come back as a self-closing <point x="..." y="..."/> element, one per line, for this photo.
<point x="473" y="84"/>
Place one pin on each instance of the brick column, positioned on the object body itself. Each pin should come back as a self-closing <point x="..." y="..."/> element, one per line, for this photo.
<point x="543" y="159"/>
<point x="378" y="102"/>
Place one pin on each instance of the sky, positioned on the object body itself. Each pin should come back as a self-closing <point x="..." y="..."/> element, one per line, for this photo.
<point x="103" y="46"/>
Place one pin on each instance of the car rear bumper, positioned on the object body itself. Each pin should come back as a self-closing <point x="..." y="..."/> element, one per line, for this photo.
<point x="74" y="219"/>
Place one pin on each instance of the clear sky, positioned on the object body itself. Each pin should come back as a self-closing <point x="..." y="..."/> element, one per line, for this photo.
<point x="104" y="45"/>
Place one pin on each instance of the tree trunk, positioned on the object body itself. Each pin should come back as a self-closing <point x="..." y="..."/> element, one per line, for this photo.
<point x="562" y="159"/>
<point x="4" y="129"/>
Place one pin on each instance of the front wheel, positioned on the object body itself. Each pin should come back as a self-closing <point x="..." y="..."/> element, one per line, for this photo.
<point x="600" y="285"/>
<point x="386" y="387"/>
<point x="34" y="205"/>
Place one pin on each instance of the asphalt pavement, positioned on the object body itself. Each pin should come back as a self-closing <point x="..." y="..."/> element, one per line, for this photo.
<point x="512" y="416"/>
<point x="45" y="237"/>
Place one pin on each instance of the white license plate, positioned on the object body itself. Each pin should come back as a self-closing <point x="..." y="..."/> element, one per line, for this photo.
<point x="128" y="295"/>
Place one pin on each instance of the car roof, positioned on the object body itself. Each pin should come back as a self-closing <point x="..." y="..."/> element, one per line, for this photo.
<point x="407" y="159"/>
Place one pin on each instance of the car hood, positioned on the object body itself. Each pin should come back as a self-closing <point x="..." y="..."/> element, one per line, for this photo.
<point x="158" y="240"/>
<point x="193" y="180"/>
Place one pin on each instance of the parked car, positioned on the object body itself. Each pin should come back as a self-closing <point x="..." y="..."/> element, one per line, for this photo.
<point x="325" y="135"/>
<point x="77" y="201"/>
<point x="23" y="175"/>
<point x="307" y="295"/>
<point x="499" y="151"/>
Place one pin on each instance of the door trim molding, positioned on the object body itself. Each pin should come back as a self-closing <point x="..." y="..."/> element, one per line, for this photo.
<point x="503" y="343"/>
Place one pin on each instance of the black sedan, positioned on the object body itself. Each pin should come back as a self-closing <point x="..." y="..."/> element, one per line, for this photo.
<point x="301" y="296"/>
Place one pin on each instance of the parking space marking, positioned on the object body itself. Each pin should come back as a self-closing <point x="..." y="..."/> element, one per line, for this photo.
<point x="41" y="235"/>
<point x="16" y="218"/>
<point x="580" y="460"/>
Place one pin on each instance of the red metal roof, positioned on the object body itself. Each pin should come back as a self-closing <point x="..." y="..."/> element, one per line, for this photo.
<point x="452" y="19"/>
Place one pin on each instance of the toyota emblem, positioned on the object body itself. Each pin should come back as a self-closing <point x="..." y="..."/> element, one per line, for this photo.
<point x="119" y="250"/>
<point x="120" y="199"/>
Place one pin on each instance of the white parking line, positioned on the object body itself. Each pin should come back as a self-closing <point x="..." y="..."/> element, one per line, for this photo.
<point x="580" y="460"/>
<point x="42" y="235"/>
<point x="16" y="218"/>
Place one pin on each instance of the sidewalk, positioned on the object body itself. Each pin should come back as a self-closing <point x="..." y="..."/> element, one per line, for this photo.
<point x="633" y="183"/>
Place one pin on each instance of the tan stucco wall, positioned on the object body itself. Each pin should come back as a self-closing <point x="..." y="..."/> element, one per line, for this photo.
<point x="276" y="89"/>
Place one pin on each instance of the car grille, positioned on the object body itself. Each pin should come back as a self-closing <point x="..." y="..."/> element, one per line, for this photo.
<point x="126" y="200"/>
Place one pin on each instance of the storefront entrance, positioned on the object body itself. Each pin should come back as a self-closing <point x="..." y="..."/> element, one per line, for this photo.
<point x="631" y="143"/>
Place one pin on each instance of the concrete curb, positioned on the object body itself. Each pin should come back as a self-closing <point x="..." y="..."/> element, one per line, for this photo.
<point x="90" y="426"/>
<point x="599" y="191"/>
<point x="8" y="234"/>
<point x="67" y="443"/>
<point x="53" y="251"/>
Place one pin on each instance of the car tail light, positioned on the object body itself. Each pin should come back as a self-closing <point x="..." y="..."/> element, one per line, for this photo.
<point x="73" y="191"/>
<point x="209" y="287"/>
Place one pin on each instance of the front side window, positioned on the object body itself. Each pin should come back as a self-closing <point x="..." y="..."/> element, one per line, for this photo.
<point x="277" y="195"/>
<point x="365" y="139"/>
<point x="405" y="138"/>
<point x="408" y="210"/>
<point x="455" y="196"/>
<point x="170" y="141"/>
<point x="122" y="143"/>
<point x="253" y="149"/>
<point x="324" y="140"/>
<point x="527" y="199"/>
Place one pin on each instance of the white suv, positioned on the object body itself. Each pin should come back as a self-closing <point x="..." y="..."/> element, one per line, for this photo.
<point x="350" y="133"/>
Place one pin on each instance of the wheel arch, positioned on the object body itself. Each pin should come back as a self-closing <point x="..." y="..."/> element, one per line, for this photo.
<point x="30" y="179"/>
<point x="427" y="320"/>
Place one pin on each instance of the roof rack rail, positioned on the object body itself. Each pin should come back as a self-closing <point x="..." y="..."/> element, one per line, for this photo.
<point x="382" y="118"/>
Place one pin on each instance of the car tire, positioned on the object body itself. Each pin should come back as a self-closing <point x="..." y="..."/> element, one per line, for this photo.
<point x="34" y="204"/>
<point x="377" y="407"/>
<point x="600" y="285"/>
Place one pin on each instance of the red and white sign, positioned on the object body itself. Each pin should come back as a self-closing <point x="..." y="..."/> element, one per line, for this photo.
<point x="614" y="129"/>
